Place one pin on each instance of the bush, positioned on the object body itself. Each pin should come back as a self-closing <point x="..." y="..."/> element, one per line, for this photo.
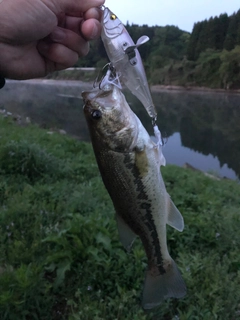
<point x="29" y="160"/>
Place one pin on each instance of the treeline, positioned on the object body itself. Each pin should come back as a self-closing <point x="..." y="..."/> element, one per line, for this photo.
<point x="212" y="56"/>
<point x="209" y="56"/>
<point x="217" y="33"/>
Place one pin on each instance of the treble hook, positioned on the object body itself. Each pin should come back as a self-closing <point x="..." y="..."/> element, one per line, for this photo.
<point x="111" y="77"/>
<point x="101" y="72"/>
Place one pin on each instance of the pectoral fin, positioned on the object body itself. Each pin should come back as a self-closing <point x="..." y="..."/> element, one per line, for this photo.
<point x="126" y="235"/>
<point x="174" y="218"/>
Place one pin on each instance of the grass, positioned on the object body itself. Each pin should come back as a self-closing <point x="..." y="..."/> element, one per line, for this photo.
<point x="60" y="257"/>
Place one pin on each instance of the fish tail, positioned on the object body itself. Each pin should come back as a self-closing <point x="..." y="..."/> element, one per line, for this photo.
<point x="158" y="288"/>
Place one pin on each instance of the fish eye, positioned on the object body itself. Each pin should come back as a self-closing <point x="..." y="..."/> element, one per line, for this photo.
<point x="113" y="17"/>
<point x="96" y="114"/>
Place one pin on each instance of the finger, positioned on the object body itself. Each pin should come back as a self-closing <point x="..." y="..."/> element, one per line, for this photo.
<point x="91" y="29"/>
<point x="71" y="40"/>
<point x="93" y="13"/>
<point x="74" y="23"/>
<point x="54" y="66"/>
<point x="61" y="19"/>
<point x="58" y="53"/>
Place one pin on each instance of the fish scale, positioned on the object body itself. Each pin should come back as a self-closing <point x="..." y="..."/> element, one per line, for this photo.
<point x="135" y="208"/>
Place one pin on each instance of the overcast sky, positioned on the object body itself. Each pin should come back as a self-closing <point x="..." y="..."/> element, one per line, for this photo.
<point x="181" y="13"/>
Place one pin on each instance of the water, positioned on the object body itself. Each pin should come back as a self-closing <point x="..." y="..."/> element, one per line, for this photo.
<point x="203" y="129"/>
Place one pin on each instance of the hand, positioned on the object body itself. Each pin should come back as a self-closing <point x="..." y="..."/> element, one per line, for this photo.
<point x="41" y="36"/>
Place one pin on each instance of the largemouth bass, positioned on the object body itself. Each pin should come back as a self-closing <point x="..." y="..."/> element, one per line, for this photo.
<point x="129" y="162"/>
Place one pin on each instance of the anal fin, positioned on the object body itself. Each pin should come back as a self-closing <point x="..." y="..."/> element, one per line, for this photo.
<point x="174" y="218"/>
<point x="126" y="235"/>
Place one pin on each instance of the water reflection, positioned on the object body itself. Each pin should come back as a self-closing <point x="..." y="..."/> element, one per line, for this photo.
<point x="199" y="160"/>
<point x="207" y="124"/>
<point x="203" y="128"/>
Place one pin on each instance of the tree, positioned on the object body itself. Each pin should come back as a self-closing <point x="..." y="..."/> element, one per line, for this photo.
<point x="193" y="41"/>
<point x="230" y="68"/>
<point x="208" y="34"/>
<point x="221" y="28"/>
<point x="202" y="43"/>
<point x="231" y="36"/>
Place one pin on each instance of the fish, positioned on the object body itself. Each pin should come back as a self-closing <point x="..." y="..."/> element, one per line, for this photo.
<point x="129" y="163"/>
<point x="124" y="56"/>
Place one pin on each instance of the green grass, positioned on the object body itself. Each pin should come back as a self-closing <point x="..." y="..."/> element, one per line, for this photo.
<point x="60" y="257"/>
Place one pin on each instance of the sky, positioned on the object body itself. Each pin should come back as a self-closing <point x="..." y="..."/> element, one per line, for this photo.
<point x="181" y="13"/>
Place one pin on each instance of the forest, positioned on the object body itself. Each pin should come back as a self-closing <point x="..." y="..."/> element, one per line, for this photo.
<point x="209" y="56"/>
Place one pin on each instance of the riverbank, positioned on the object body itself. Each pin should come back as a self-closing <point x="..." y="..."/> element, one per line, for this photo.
<point x="153" y="88"/>
<point x="61" y="254"/>
<point x="24" y="121"/>
<point x="158" y="88"/>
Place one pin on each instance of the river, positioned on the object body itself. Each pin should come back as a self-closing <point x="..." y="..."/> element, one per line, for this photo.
<point x="201" y="128"/>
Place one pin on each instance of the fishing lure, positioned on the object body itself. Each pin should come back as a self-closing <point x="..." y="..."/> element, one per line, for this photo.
<point x="125" y="58"/>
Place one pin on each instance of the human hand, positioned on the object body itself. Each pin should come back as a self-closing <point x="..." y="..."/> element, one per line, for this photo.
<point x="41" y="36"/>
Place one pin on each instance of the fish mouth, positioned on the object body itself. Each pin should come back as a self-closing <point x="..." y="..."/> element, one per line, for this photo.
<point x="89" y="95"/>
<point x="97" y="99"/>
<point x="87" y="108"/>
<point x="90" y="103"/>
<point x="102" y="95"/>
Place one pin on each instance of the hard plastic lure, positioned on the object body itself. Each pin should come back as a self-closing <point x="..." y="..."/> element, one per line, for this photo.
<point x="125" y="58"/>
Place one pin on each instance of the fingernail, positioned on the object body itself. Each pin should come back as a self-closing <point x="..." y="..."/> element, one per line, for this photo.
<point x="57" y="35"/>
